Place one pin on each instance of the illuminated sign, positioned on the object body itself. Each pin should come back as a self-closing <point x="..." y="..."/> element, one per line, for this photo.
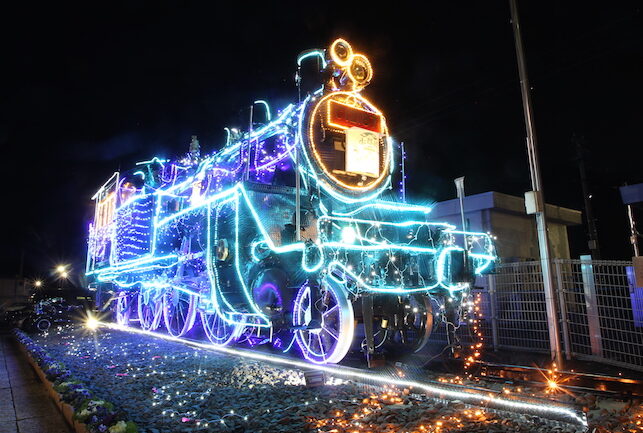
<point x="345" y="116"/>
<point x="328" y="123"/>
<point x="362" y="152"/>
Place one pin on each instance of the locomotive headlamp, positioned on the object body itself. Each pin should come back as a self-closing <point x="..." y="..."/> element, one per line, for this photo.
<point x="349" y="235"/>
<point x="360" y="71"/>
<point x="341" y="52"/>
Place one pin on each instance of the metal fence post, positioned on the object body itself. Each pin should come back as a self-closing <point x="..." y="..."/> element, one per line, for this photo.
<point x="593" y="322"/>
<point x="492" y="306"/>
<point x="560" y="287"/>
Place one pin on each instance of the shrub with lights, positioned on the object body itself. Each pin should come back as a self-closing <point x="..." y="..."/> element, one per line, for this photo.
<point x="98" y="416"/>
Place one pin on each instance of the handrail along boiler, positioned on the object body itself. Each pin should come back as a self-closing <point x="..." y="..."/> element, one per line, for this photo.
<point x="283" y="236"/>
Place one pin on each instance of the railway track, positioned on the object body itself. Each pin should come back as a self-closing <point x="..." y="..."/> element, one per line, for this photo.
<point x="615" y="387"/>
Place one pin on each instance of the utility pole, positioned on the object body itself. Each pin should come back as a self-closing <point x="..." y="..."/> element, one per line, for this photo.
<point x="21" y="277"/>
<point x="634" y="238"/>
<point x="402" y="164"/>
<point x="246" y="175"/>
<point x="592" y="232"/>
<point x="537" y="194"/>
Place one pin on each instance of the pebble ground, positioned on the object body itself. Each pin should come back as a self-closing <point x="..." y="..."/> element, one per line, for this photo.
<point x="170" y="387"/>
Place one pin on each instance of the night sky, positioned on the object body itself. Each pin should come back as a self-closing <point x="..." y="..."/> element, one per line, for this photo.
<point x="87" y="90"/>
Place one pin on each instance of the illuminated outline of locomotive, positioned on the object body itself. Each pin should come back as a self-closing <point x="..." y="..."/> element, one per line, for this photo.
<point x="217" y="236"/>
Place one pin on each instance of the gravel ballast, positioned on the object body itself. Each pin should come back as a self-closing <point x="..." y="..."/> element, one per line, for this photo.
<point x="165" y="386"/>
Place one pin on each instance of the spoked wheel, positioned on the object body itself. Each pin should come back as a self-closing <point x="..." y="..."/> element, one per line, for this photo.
<point x="123" y="308"/>
<point x="329" y="341"/>
<point x="417" y="324"/>
<point x="218" y="331"/>
<point x="43" y="324"/>
<point x="150" y="310"/>
<point x="179" y="311"/>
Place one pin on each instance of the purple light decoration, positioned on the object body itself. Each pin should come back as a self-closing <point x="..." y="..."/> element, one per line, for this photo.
<point x="267" y="291"/>
<point x="277" y="344"/>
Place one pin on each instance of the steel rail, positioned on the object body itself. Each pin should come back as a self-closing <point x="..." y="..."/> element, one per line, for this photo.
<point x="598" y="384"/>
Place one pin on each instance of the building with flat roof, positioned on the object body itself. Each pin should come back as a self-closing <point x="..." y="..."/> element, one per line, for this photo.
<point x="504" y="216"/>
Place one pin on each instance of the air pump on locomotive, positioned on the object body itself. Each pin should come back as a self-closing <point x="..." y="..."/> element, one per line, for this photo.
<point x="283" y="236"/>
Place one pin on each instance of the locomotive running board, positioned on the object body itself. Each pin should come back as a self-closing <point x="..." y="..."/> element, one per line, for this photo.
<point x="468" y="395"/>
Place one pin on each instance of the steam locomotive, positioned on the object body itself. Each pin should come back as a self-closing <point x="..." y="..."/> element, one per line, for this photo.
<point x="284" y="236"/>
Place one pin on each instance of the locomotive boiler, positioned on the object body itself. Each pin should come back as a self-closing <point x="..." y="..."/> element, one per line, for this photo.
<point x="285" y="235"/>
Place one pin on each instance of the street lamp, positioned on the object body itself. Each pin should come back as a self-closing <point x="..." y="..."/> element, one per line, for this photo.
<point x="37" y="283"/>
<point x="63" y="274"/>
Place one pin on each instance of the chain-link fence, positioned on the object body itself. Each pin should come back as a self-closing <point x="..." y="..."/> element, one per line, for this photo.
<point x="600" y="311"/>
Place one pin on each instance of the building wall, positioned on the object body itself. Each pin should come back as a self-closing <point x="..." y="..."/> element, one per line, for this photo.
<point x="517" y="237"/>
<point x="504" y="216"/>
<point x="12" y="290"/>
